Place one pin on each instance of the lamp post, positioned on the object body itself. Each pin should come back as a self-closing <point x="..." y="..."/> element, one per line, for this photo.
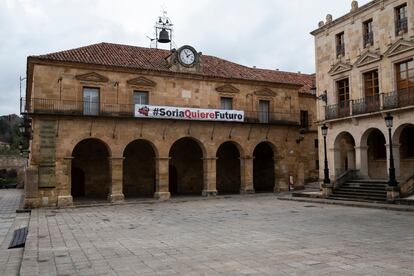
<point x="392" y="181"/>
<point x="326" y="179"/>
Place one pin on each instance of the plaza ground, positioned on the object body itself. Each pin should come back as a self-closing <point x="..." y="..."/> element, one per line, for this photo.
<point x="237" y="235"/>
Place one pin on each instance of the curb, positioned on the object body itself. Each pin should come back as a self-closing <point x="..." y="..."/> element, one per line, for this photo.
<point x="385" y="206"/>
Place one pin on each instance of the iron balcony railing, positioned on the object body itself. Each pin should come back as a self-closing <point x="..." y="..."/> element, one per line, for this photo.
<point x="368" y="39"/>
<point x="366" y="105"/>
<point x="383" y="101"/>
<point x="337" y="110"/>
<point x="401" y="25"/>
<point x="340" y="50"/>
<point x="399" y="98"/>
<point x="82" y="108"/>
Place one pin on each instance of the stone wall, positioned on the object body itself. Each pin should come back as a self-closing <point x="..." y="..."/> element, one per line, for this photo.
<point x="10" y="162"/>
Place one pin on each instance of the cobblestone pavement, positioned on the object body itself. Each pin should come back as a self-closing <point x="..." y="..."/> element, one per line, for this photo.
<point x="241" y="235"/>
<point x="10" y="259"/>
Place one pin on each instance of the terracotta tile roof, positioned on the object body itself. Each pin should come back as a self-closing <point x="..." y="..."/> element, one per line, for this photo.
<point x="134" y="57"/>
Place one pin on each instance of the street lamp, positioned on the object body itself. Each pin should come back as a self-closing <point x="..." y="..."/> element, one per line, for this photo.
<point x="326" y="179"/>
<point x="392" y="181"/>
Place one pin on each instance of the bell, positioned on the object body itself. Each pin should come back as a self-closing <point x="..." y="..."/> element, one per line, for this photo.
<point x="164" y="37"/>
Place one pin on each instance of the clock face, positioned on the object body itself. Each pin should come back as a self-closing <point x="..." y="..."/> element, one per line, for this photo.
<point x="187" y="56"/>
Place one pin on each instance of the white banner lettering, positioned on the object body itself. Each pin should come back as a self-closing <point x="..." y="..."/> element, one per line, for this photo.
<point x="184" y="113"/>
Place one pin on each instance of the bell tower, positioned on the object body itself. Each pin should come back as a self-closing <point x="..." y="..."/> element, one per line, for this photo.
<point x="163" y="30"/>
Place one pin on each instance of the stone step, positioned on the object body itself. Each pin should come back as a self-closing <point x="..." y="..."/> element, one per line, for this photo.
<point x="360" y="193"/>
<point x="362" y="190"/>
<point x="365" y="197"/>
<point x="364" y="185"/>
<point x="356" y="199"/>
<point x="376" y="182"/>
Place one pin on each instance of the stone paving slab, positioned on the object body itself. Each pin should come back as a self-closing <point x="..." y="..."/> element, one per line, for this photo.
<point x="10" y="259"/>
<point x="252" y="235"/>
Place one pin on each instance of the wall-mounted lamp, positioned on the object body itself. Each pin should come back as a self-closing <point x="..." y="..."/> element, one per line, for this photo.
<point x="323" y="96"/>
<point x="116" y="83"/>
<point x="301" y="136"/>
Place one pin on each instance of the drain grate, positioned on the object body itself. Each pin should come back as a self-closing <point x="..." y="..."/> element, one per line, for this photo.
<point x="19" y="238"/>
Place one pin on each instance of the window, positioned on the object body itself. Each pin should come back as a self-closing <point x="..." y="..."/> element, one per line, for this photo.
<point x="226" y="103"/>
<point x="401" y="20"/>
<point x="371" y="84"/>
<point x="368" y="33"/>
<point x="405" y="76"/>
<point x="90" y="101"/>
<point x="340" y="44"/>
<point x="316" y="143"/>
<point x="141" y="97"/>
<point x="263" y="111"/>
<point x="342" y="87"/>
<point x="304" y="118"/>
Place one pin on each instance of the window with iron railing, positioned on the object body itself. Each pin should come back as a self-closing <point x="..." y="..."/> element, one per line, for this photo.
<point x="371" y="84"/>
<point x="340" y="44"/>
<point x="264" y="111"/>
<point x="368" y="34"/>
<point x="405" y="75"/>
<point x="226" y="103"/>
<point x="90" y="101"/>
<point x="401" y="20"/>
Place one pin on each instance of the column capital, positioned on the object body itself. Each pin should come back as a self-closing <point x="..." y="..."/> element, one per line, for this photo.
<point x="116" y="158"/>
<point x="162" y="158"/>
<point x="246" y="157"/>
<point x="209" y="158"/>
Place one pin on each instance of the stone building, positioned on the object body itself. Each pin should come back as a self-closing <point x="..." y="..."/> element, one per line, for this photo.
<point x="365" y="69"/>
<point x="114" y="121"/>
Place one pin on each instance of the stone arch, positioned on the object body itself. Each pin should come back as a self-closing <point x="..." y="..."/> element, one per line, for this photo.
<point x="403" y="149"/>
<point x="344" y="152"/>
<point x="374" y="141"/>
<point x="90" y="174"/>
<point x="228" y="168"/>
<point x="186" y="172"/>
<point x="139" y="169"/>
<point x="264" y="167"/>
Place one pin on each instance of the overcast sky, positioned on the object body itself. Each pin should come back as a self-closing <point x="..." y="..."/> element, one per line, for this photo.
<point x="264" y="33"/>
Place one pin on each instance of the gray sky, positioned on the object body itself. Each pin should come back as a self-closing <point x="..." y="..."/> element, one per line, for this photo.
<point x="264" y="33"/>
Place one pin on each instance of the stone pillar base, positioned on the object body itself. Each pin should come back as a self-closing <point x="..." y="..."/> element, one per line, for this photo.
<point x="64" y="201"/>
<point x="327" y="189"/>
<point x="31" y="203"/>
<point x="207" y="193"/>
<point x="280" y="189"/>
<point x="162" y="195"/>
<point x="247" y="191"/>
<point x="393" y="193"/>
<point x="115" y="198"/>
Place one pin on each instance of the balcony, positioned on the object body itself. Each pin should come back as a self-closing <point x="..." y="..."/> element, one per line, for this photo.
<point x="398" y="99"/>
<point x="401" y="26"/>
<point x="383" y="101"/>
<point x="337" y="110"/>
<point x="366" y="105"/>
<point x="368" y="39"/>
<point x="99" y="109"/>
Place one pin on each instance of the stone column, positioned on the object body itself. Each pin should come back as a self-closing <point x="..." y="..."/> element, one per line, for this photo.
<point x="336" y="169"/>
<point x="31" y="187"/>
<point x="161" y="178"/>
<point x="209" y="165"/>
<point x="246" y="172"/>
<point x="361" y="160"/>
<point x="115" y="193"/>
<point x="397" y="160"/>
<point x="65" y="184"/>
<point x="281" y="184"/>
<point x="351" y="159"/>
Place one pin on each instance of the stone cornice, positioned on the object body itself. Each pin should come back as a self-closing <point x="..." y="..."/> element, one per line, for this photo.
<point x="367" y="58"/>
<point x="265" y="92"/>
<point x="92" y="76"/>
<point x="141" y="81"/>
<point x="36" y="61"/>
<point x="347" y="16"/>
<point x="398" y="47"/>
<point x="340" y="67"/>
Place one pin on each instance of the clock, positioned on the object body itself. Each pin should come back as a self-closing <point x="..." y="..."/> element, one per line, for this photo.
<point x="187" y="56"/>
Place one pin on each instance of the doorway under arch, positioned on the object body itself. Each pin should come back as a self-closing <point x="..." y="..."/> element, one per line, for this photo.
<point x="187" y="162"/>
<point x="377" y="155"/>
<point x="139" y="169"/>
<point x="344" y="153"/>
<point x="263" y="168"/>
<point x="228" y="169"/>
<point x="91" y="176"/>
